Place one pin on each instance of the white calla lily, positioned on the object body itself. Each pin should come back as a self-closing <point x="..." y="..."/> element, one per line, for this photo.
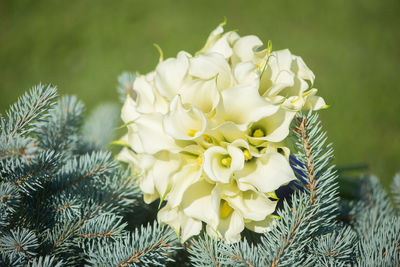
<point x="314" y="102"/>
<point x="210" y="66"/>
<point x="247" y="73"/>
<point x="252" y="205"/>
<point x="245" y="48"/>
<point x="220" y="163"/>
<point x="201" y="93"/>
<point x="302" y="70"/>
<point x="184" y="123"/>
<point x="148" y="98"/>
<point x="277" y="74"/>
<point x="146" y="135"/>
<point x="243" y="105"/>
<point x="230" y="131"/>
<point x="218" y="42"/>
<point x="266" y="174"/>
<point x="171" y="73"/>
<point x="260" y="226"/>
<point x="183" y="225"/>
<point x="214" y="36"/>
<point x="200" y="203"/>
<point x="229" y="228"/>
<point x="165" y="165"/>
<point x="273" y="128"/>
<point x="188" y="175"/>
<point x="129" y="112"/>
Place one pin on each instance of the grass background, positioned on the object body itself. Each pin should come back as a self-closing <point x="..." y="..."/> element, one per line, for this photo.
<point x="353" y="47"/>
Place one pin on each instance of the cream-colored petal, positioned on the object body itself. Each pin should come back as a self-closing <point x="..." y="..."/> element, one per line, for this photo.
<point x="201" y="93"/>
<point x="244" y="48"/>
<point x="146" y="184"/>
<point x="237" y="158"/>
<point x="301" y="69"/>
<point x="266" y="173"/>
<point x="294" y="103"/>
<point x="166" y="164"/>
<point x="243" y="105"/>
<point x="275" y="127"/>
<point x="188" y="175"/>
<point x="315" y="103"/>
<point x="263" y="226"/>
<point x="190" y="227"/>
<point x="210" y="66"/>
<point x="133" y="139"/>
<point x="227" y="190"/>
<point x="127" y="155"/>
<point x="145" y="95"/>
<point x="171" y="73"/>
<point x="184" y="123"/>
<point x="246" y="73"/>
<point x="282" y="80"/>
<point x="148" y="198"/>
<point x="221" y="46"/>
<point x="277" y="74"/>
<point x="214" y="36"/>
<point x="145" y="180"/>
<point x="231" y="227"/>
<point x="170" y="216"/>
<point x="298" y="88"/>
<point x="129" y="110"/>
<point x="149" y="131"/>
<point x="252" y="205"/>
<point x="213" y="166"/>
<point x="230" y="131"/>
<point x="184" y="226"/>
<point x="244" y="145"/>
<point x="197" y="202"/>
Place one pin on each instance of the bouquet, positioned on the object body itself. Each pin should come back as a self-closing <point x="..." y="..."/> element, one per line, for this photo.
<point x="207" y="133"/>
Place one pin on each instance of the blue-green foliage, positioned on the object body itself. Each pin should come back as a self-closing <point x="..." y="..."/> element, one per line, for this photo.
<point x="143" y="247"/>
<point x="377" y="225"/>
<point x="64" y="200"/>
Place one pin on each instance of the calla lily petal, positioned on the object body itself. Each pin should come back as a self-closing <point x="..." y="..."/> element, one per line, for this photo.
<point x="246" y="73"/>
<point x="230" y="131"/>
<point x="242" y="105"/>
<point x="188" y="175"/>
<point x="146" y="135"/>
<point x="209" y="66"/>
<point x="171" y="73"/>
<point x="303" y="71"/>
<point x="237" y="158"/>
<point x="190" y="227"/>
<point x="244" y="48"/>
<point x="184" y="123"/>
<point x="266" y="174"/>
<point x="197" y="203"/>
<point x="261" y="226"/>
<point x="201" y="93"/>
<point x="165" y="165"/>
<point x="129" y="112"/>
<point x="276" y="126"/>
<point x="213" y="166"/>
<point x="229" y="228"/>
<point x="252" y="205"/>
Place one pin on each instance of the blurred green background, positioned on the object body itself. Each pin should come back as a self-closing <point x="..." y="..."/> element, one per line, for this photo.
<point x="353" y="47"/>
